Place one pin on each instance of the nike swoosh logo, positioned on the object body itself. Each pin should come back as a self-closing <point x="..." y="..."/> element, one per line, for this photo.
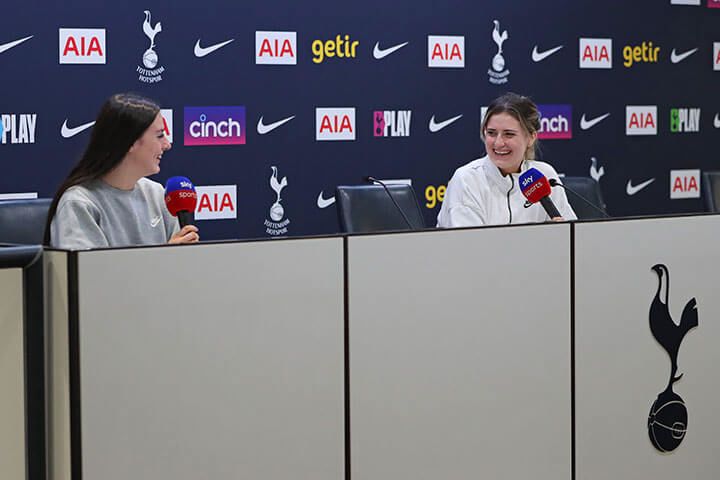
<point x="202" y="51"/>
<point x="7" y="46"/>
<point x="633" y="189"/>
<point x="436" y="127"/>
<point x="716" y="121"/>
<point x="380" y="53"/>
<point x="324" y="203"/>
<point x="587" y="124"/>
<point x="677" y="58"/>
<point x="540" y="56"/>
<point x="154" y="222"/>
<point x="262" y="129"/>
<point x="68" y="132"/>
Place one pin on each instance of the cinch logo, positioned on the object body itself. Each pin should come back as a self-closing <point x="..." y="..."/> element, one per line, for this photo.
<point x="684" y="120"/>
<point x="555" y="122"/>
<point x="341" y="47"/>
<point x="716" y="55"/>
<point x="276" y="48"/>
<point x="216" y="202"/>
<point x="214" y="126"/>
<point x="713" y="4"/>
<point x="595" y="53"/>
<point x="82" y="45"/>
<point x="445" y="51"/>
<point x="167" y="116"/>
<point x="641" y="120"/>
<point x="645" y="52"/>
<point x="17" y="128"/>
<point x="391" y="123"/>
<point x="334" y="124"/>
<point x="684" y="184"/>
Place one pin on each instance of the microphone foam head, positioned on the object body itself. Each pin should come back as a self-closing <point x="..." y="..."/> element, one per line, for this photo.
<point x="180" y="195"/>
<point x="534" y="185"/>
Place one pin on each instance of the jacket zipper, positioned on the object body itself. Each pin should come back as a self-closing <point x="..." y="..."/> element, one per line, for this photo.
<point x="512" y="185"/>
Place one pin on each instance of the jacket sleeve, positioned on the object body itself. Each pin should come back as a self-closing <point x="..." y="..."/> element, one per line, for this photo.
<point x="459" y="209"/>
<point x="76" y="226"/>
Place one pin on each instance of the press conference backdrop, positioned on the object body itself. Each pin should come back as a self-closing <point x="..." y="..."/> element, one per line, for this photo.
<point x="320" y="93"/>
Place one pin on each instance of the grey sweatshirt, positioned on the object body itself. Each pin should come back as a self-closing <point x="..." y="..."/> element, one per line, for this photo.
<point x="96" y="215"/>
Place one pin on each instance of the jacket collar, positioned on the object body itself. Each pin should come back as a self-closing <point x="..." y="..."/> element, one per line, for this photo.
<point x="496" y="178"/>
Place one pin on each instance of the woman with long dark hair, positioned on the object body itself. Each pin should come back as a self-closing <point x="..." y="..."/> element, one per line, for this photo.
<point x="105" y="200"/>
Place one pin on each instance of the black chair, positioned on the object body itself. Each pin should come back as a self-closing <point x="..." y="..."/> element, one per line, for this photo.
<point x="22" y="222"/>
<point x="588" y="188"/>
<point x="370" y="208"/>
<point x="711" y="191"/>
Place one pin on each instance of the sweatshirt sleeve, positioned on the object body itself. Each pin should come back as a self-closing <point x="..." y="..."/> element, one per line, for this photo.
<point x="458" y="208"/>
<point x="76" y="225"/>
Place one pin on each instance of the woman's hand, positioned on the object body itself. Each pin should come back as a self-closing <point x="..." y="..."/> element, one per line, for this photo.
<point x="187" y="234"/>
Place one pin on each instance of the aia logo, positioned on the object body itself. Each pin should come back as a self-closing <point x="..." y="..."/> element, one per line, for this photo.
<point x="684" y="184"/>
<point x="595" y="53"/>
<point x="555" y="122"/>
<point x="641" y="120"/>
<point x="668" y="418"/>
<point x="82" y="45"/>
<point x="216" y="202"/>
<point x="446" y="51"/>
<point x="391" y="123"/>
<point x="276" y="48"/>
<point x="334" y="124"/>
<point x="167" y="116"/>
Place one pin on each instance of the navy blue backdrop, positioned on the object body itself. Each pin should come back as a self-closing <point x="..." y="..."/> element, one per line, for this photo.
<point x="662" y="55"/>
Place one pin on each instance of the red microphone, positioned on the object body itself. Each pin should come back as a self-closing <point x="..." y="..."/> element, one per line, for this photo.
<point x="181" y="199"/>
<point x="536" y="188"/>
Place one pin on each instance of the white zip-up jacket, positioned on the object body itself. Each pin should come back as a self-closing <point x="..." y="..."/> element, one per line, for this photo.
<point x="478" y="194"/>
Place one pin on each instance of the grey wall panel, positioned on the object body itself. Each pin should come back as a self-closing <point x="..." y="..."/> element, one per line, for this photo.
<point x="213" y="361"/>
<point x="621" y="368"/>
<point x="12" y="376"/>
<point x="460" y="354"/>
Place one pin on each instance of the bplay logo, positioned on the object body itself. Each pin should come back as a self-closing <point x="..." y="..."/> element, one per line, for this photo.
<point x="683" y="120"/>
<point x="645" y="53"/>
<point x="497" y="72"/>
<point x="641" y="120"/>
<point x="391" y="123"/>
<point x="684" y="184"/>
<point x="446" y="51"/>
<point x="276" y="48"/>
<point x="167" y="116"/>
<point x="555" y="122"/>
<point x="82" y="45"/>
<point x="214" y="126"/>
<point x="216" y="202"/>
<point x="17" y="128"/>
<point x="716" y="55"/>
<point x="341" y="47"/>
<point x="335" y="124"/>
<point x="595" y="53"/>
<point x="151" y="73"/>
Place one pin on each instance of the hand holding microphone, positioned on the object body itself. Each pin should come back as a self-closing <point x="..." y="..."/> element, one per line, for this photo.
<point x="181" y="200"/>
<point x="536" y="188"/>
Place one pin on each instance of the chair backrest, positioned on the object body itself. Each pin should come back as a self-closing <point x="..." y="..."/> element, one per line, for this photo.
<point x="23" y="221"/>
<point x="711" y="191"/>
<point x="369" y="208"/>
<point x="588" y="188"/>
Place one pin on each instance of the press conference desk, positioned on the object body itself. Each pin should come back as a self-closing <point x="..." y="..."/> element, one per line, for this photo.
<point x="503" y="352"/>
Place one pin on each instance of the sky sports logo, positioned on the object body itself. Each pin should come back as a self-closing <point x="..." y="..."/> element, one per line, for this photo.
<point x="555" y="122"/>
<point x="214" y="126"/>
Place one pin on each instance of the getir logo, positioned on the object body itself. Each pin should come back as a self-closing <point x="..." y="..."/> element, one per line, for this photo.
<point x="684" y="184"/>
<point x="716" y="55"/>
<point x="595" y="53"/>
<point x="641" y="120"/>
<point x="555" y="122"/>
<point x="216" y="202"/>
<point x="334" y="124"/>
<point x="167" y="116"/>
<point x="17" y="128"/>
<point x="82" y="45"/>
<point x="446" y="51"/>
<point x="645" y="52"/>
<point x="276" y="48"/>
<point x="341" y="47"/>
<point x="391" y="123"/>
<point x="214" y="126"/>
<point x="684" y="120"/>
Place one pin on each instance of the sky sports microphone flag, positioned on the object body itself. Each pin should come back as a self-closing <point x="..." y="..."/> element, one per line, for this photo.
<point x="181" y="199"/>
<point x="536" y="188"/>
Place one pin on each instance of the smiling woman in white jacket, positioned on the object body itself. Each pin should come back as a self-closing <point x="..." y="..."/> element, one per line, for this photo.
<point x="486" y="190"/>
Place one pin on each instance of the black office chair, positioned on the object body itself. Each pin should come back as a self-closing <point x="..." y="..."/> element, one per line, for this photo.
<point x="369" y="208"/>
<point x="22" y="222"/>
<point x="588" y="188"/>
<point x="711" y="191"/>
